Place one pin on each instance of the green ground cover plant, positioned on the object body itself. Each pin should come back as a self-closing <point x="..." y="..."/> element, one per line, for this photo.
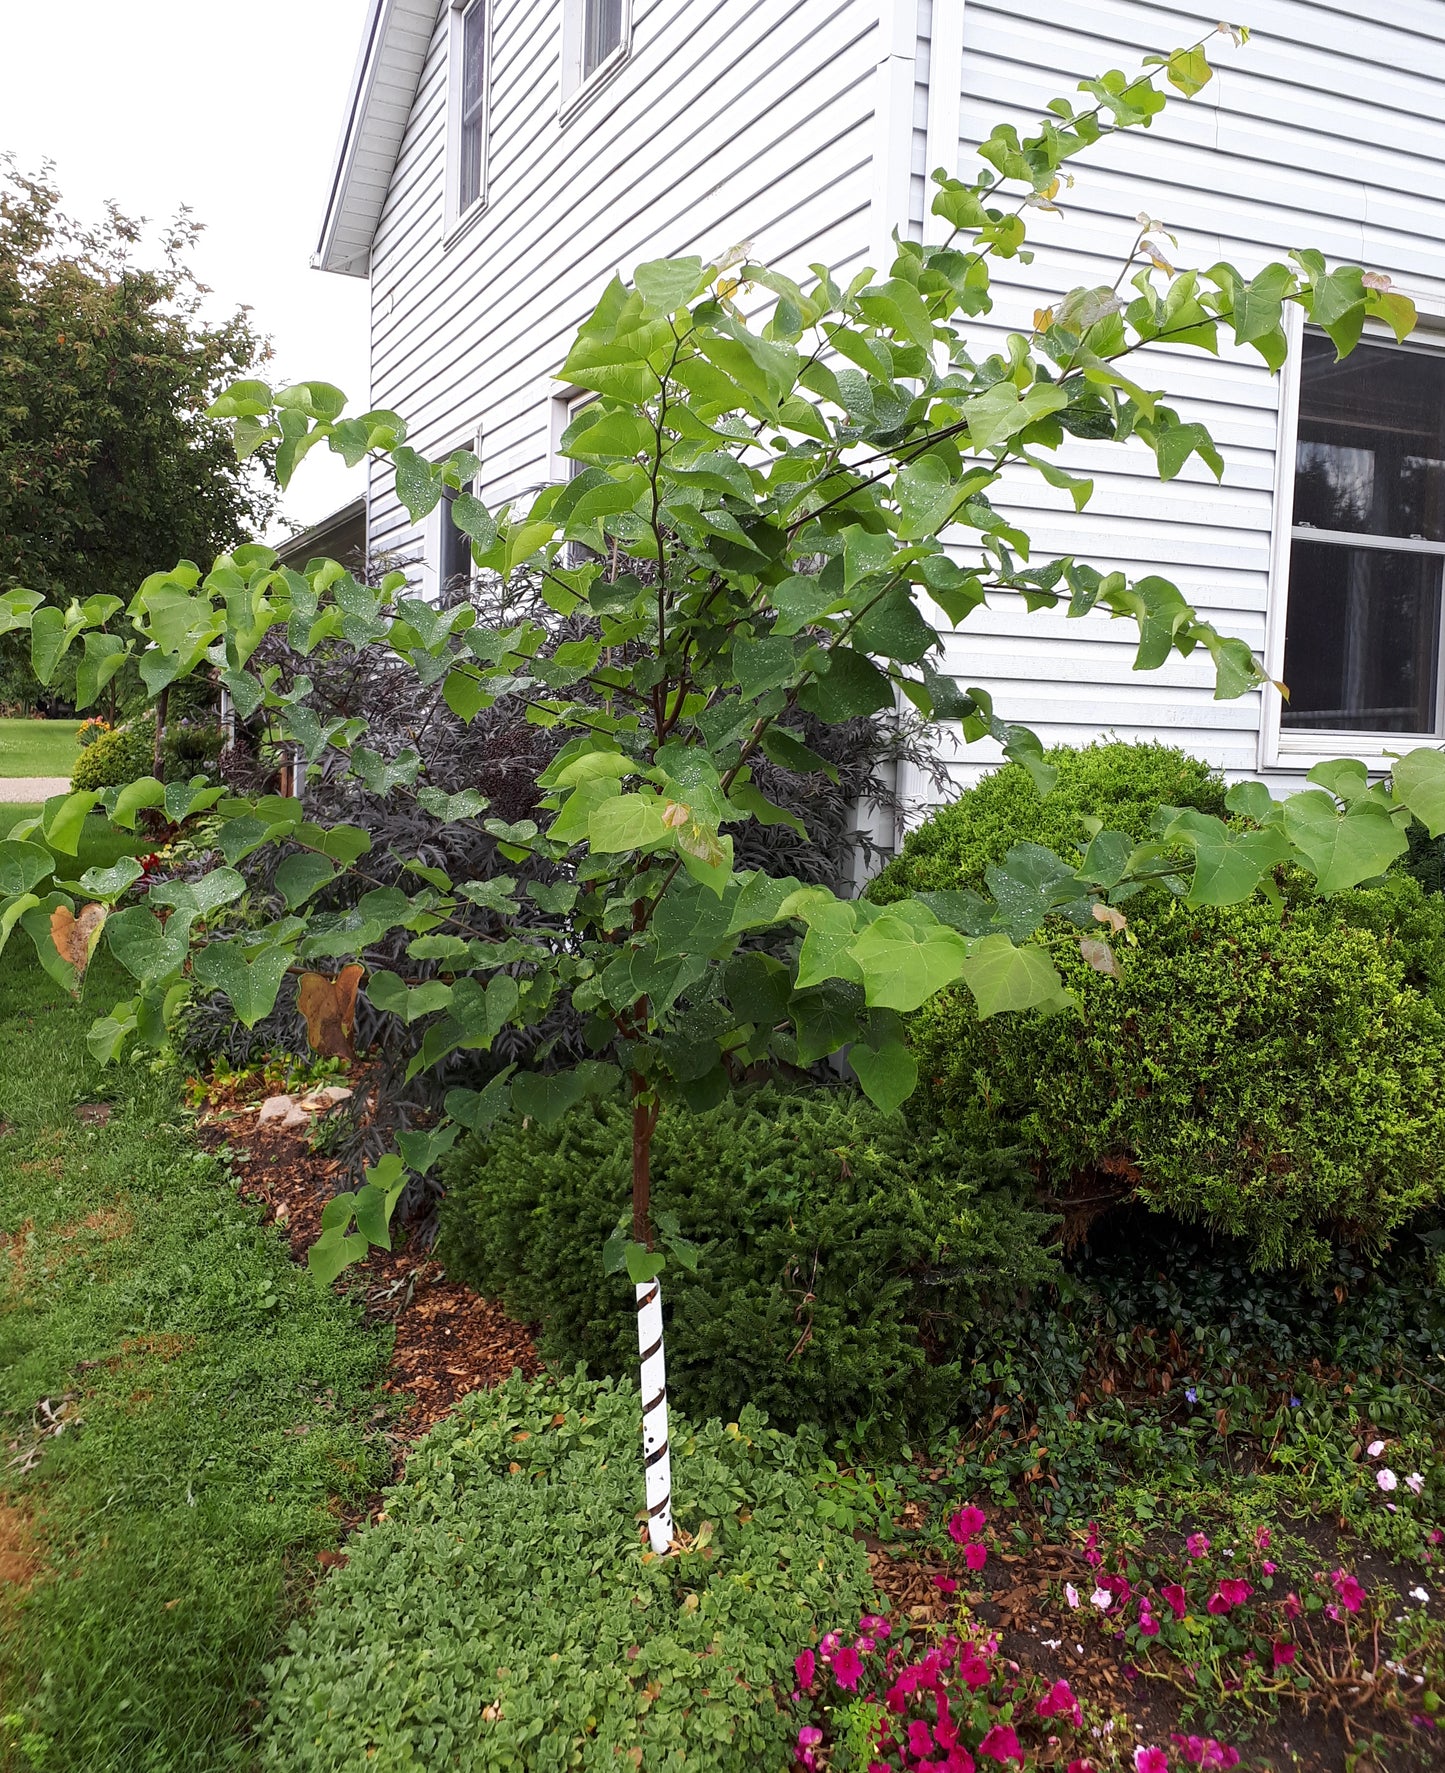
<point x="38" y="747"/>
<point x="843" y="1257"/>
<point x="508" y="1613"/>
<point x="183" y="1414"/>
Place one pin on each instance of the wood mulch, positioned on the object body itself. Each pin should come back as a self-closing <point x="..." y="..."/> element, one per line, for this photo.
<point x="449" y="1340"/>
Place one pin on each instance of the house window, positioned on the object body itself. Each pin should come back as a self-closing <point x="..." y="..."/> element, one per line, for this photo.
<point x="565" y="408"/>
<point x="596" y="36"/>
<point x="468" y="103"/>
<point x="454" y="552"/>
<point x="1363" y="619"/>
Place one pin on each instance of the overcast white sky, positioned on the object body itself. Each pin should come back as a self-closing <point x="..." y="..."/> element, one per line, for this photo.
<point x="231" y="109"/>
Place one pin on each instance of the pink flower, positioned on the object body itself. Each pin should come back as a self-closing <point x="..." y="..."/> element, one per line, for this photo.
<point x="1235" y="1591"/>
<point x="804" y="1667"/>
<point x="1269" y="1568"/>
<point x="1375" y="1449"/>
<point x="847" y="1667"/>
<point x="1216" y="1604"/>
<point x="920" y="1738"/>
<point x="1196" y="1545"/>
<point x="1261" y="1538"/>
<point x="1386" y="1478"/>
<point x="1178" y="1601"/>
<point x="828" y="1643"/>
<point x="809" y="1736"/>
<point x="973" y="1671"/>
<point x="1058" y="1702"/>
<point x="1148" y="1624"/>
<point x="966" y="1523"/>
<point x="1351" y="1594"/>
<point x="1415" y="1482"/>
<point x="1091" y="1549"/>
<point x="959" y="1760"/>
<point x="975" y="1556"/>
<point x="1101" y="1598"/>
<point x="1150" y="1760"/>
<point x="1292" y="1607"/>
<point x="1080" y="1766"/>
<point x="945" y="1584"/>
<point x="1001" y="1744"/>
<point x="1071" y="1595"/>
<point x="1284" y="1655"/>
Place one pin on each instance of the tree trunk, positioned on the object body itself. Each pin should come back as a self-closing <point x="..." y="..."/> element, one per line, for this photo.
<point x="158" y="767"/>
<point x="657" y="1461"/>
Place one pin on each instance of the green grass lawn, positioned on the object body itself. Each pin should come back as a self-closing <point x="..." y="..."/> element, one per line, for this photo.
<point x="37" y="747"/>
<point x="185" y="1413"/>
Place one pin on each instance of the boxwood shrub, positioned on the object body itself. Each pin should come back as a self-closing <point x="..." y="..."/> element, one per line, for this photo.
<point x="1271" y="1075"/>
<point x="506" y="1612"/>
<point x="117" y="757"/>
<point x="846" y="1254"/>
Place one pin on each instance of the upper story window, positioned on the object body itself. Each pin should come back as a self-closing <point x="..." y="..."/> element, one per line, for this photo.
<point x="596" y="37"/>
<point x="467" y="81"/>
<point x="1362" y="648"/>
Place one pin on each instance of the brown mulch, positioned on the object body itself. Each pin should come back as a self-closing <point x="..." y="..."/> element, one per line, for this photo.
<point x="449" y="1340"/>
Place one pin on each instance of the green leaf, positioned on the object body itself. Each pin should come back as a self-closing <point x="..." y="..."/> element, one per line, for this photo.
<point x="1252" y="800"/>
<point x="1002" y="977"/>
<point x="65" y="819"/>
<point x="626" y="822"/>
<point x="110" y="883"/>
<point x="1418" y="779"/>
<point x="478" y="1109"/>
<point x="133" y="798"/>
<point x="199" y="898"/>
<point x="1342" y="849"/>
<point x="466" y="695"/>
<point x="642" y="1265"/>
<point x="149" y="950"/>
<point x="546" y="1096"/>
<point x="851" y="686"/>
<point x="667" y="284"/>
<point x="23" y="865"/>
<point x="300" y="875"/>
<point x="888" y="1074"/>
<point x="250" y="985"/>
<point x="1228" y="865"/>
<point x="894" y="628"/>
<point x="451" y="809"/>
<point x="1000" y="413"/>
<point x="906" y="955"/>
<point x="421" y="1149"/>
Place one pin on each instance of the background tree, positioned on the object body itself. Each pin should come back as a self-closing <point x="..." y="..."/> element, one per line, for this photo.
<point x="108" y="462"/>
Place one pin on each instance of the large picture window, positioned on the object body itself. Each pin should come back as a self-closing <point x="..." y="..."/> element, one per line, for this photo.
<point x="1367" y="550"/>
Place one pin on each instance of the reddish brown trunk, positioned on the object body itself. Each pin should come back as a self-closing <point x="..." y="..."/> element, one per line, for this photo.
<point x="158" y="765"/>
<point x="644" y="1120"/>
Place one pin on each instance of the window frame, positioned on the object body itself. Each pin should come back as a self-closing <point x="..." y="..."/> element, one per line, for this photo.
<point x="563" y="407"/>
<point x="578" y="90"/>
<point x="432" y="541"/>
<point x="459" y="219"/>
<point x="1300" y="748"/>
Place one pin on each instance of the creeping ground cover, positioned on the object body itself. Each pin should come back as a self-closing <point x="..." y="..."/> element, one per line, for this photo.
<point x="182" y="1416"/>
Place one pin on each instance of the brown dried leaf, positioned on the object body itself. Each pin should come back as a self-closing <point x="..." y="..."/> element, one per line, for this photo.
<point x="1097" y="953"/>
<point x="329" y="1006"/>
<point x="75" y="937"/>
<point x="1116" y="920"/>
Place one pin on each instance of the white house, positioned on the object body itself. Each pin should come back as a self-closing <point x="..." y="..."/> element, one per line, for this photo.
<point x="502" y="158"/>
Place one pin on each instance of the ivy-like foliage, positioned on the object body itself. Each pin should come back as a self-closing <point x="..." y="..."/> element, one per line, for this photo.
<point x="781" y="491"/>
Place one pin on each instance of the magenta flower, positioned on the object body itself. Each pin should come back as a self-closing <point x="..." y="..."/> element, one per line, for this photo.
<point x="1173" y="1593"/>
<point x="973" y="1671"/>
<point x="964" y="1525"/>
<point x="1351" y="1594"/>
<point x="1268" y="1568"/>
<point x="1001" y="1744"/>
<point x="809" y="1736"/>
<point x="945" y="1584"/>
<point x="828" y="1643"/>
<point x="920" y="1738"/>
<point x="1284" y="1655"/>
<point x="1059" y="1702"/>
<point x="1091" y="1549"/>
<point x="975" y="1556"/>
<point x="847" y="1668"/>
<point x="804" y="1667"/>
<point x="1148" y="1624"/>
<point x="1196" y="1545"/>
<point x="1150" y="1760"/>
<point x="1292" y="1607"/>
<point x="1261" y="1538"/>
<point x="1235" y="1591"/>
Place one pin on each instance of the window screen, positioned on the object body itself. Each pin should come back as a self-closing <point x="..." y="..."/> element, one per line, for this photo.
<point x="601" y="33"/>
<point x="472" y="91"/>
<point x="1362" y="624"/>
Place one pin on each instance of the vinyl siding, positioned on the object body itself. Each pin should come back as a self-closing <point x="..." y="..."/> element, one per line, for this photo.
<point x="1323" y="131"/>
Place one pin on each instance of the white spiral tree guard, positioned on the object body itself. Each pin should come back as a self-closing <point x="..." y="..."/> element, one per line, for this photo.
<point x="657" y="1460"/>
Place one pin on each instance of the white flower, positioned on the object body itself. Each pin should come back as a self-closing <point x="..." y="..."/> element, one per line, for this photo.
<point x="1102" y="1599"/>
<point x="1415" y="1482"/>
<point x="1071" y="1594"/>
<point x="1386" y="1478"/>
<point x="1375" y="1449"/>
<point x="1420" y="1594"/>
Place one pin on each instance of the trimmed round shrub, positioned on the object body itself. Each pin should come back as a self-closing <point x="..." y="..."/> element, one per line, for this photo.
<point x="1272" y="1075"/>
<point x="845" y="1254"/>
<point x="117" y="757"/>
<point x="506" y="1613"/>
<point x="1120" y="784"/>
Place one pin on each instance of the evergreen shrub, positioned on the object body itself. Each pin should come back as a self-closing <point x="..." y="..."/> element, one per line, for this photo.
<point x="117" y="757"/>
<point x="1272" y="1075"/>
<point x="506" y="1613"/>
<point x="845" y="1253"/>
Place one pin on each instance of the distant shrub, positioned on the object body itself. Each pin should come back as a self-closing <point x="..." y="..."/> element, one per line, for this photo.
<point x="847" y="1253"/>
<point x="1120" y="784"/>
<point x="506" y="1614"/>
<point x="117" y="757"/>
<point x="191" y="748"/>
<point x="1273" y="1076"/>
